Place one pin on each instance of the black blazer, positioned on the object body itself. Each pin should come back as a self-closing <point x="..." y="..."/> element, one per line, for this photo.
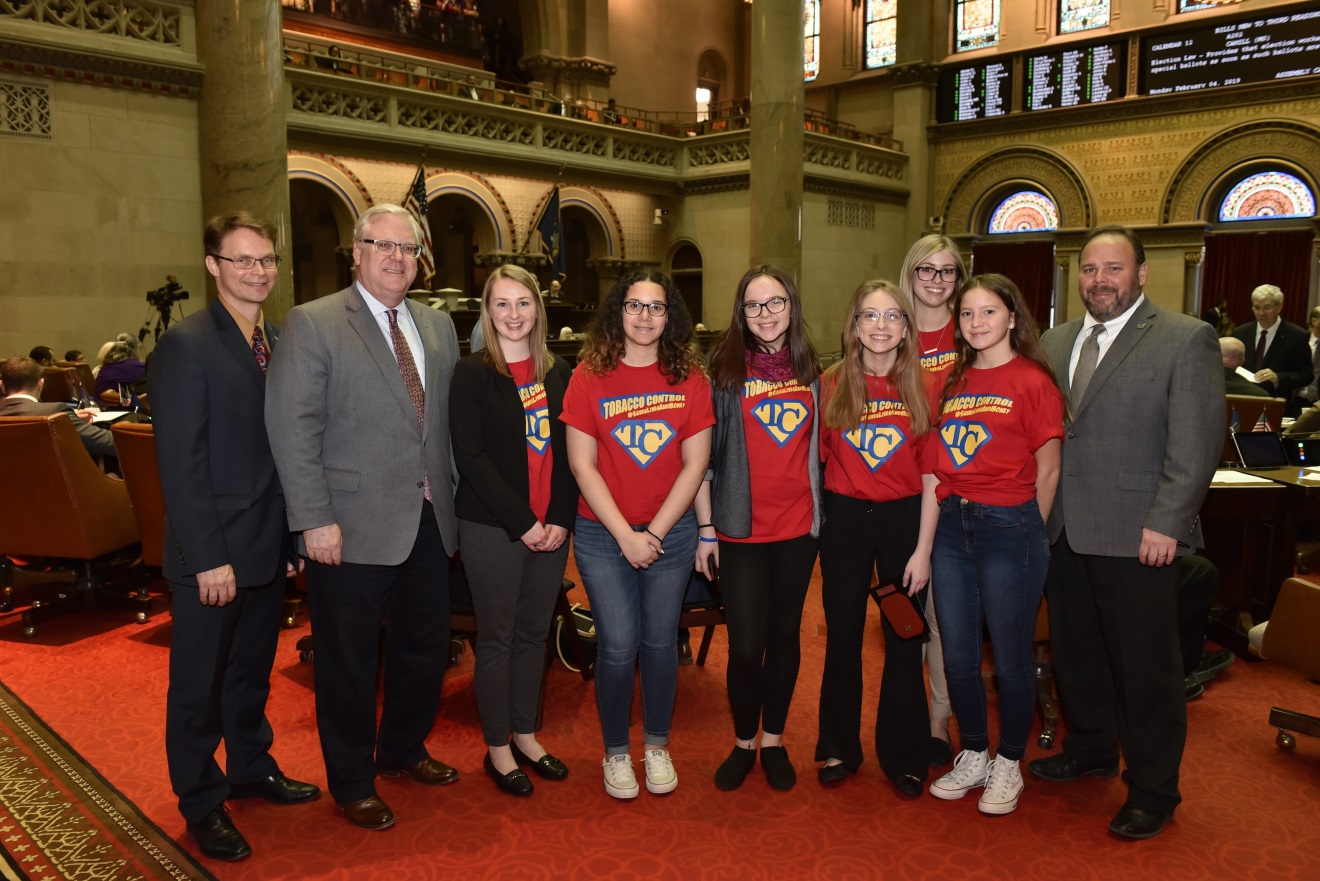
<point x="1289" y="355"/>
<point x="488" y="426"/>
<point x="222" y="495"/>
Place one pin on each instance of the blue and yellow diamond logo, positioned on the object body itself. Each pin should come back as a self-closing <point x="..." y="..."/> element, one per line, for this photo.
<point x="962" y="439"/>
<point x="875" y="443"/>
<point x="538" y="429"/>
<point x="643" y="438"/>
<point x="782" y="419"/>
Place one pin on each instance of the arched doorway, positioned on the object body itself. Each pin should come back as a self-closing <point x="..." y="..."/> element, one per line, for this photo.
<point x="581" y="282"/>
<point x="685" y="268"/>
<point x="453" y="222"/>
<point x="320" y="226"/>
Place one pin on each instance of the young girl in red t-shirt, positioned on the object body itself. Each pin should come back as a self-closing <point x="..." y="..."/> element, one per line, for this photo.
<point x="997" y="460"/>
<point x="879" y="520"/>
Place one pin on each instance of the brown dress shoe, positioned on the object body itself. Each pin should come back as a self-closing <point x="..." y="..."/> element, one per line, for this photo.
<point x="369" y="813"/>
<point x="432" y="772"/>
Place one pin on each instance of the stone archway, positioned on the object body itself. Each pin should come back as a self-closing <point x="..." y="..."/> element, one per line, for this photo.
<point x="976" y="190"/>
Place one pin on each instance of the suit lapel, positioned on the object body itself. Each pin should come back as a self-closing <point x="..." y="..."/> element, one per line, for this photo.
<point x="1127" y="340"/>
<point x="364" y="323"/>
<point x="231" y="340"/>
<point x="1060" y="353"/>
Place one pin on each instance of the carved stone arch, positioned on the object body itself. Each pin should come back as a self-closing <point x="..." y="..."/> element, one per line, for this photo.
<point x="981" y="187"/>
<point x="605" y="234"/>
<point x="494" y="235"/>
<point x="1286" y="143"/>
<point x="334" y="175"/>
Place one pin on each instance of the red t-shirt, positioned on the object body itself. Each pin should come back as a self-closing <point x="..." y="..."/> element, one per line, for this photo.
<point x="880" y="460"/>
<point x="639" y="422"/>
<point x="990" y="431"/>
<point x="540" y="462"/>
<point x="937" y="350"/>
<point x="777" y="426"/>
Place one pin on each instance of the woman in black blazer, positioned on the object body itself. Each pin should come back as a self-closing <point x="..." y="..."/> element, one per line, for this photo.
<point x="516" y="503"/>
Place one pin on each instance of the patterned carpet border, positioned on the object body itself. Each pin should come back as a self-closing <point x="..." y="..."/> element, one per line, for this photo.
<point x="60" y="819"/>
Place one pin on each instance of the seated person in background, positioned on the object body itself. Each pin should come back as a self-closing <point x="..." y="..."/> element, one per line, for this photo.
<point x="75" y="356"/>
<point x="1198" y="585"/>
<point x="610" y="115"/>
<point x="43" y="355"/>
<point x="120" y="367"/>
<point x="1310" y="393"/>
<point x="22" y="378"/>
<point x="1234" y="352"/>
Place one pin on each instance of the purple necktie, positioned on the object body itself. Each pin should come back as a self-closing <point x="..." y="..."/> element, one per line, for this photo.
<point x="259" y="350"/>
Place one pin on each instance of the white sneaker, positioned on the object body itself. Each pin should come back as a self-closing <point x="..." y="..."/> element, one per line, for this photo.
<point x="1003" y="787"/>
<point x="620" y="781"/>
<point x="660" y="774"/>
<point x="969" y="772"/>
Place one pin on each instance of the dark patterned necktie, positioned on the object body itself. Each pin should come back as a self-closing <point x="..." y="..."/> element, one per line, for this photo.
<point x="259" y="350"/>
<point x="1086" y="364"/>
<point x="411" y="380"/>
<point x="1260" y="349"/>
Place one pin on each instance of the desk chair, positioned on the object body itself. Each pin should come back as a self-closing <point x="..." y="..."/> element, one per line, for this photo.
<point x="135" y="445"/>
<point x="1248" y="409"/>
<point x="61" y="384"/>
<point x="83" y="515"/>
<point x="702" y="607"/>
<point x="1290" y="638"/>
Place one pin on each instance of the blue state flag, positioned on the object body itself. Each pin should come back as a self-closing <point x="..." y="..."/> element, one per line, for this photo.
<point x="551" y="232"/>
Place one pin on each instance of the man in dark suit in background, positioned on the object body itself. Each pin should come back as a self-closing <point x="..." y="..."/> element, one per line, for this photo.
<point x="1277" y="350"/>
<point x="358" y="415"/>
<point x="227" y="546"/>
<point x="23" y="379"/>
<point x="1146" y="393"/>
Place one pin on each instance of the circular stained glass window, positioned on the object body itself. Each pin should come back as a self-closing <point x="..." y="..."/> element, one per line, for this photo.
<point x="1025" y="211"/>
<point x="1267" y="195"/>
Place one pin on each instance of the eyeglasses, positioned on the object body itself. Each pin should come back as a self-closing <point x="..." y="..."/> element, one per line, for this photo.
<point x="927" y="273"/>
<point x="246" y="263"/>
<point x="774" y="304"/>
<point x="635" y="307"/>
<point x="385" y="249"/>
<point x="892" y="317"/>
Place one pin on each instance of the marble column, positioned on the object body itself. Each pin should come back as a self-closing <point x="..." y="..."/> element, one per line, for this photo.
<point x="241" y="122"/>
<point x="776" y="143"/>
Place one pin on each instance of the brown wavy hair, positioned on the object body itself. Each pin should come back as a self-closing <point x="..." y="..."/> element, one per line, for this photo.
<point x="846" y="380"/>
<point x="493" y="354"/>
<point x="728" y="361"/>
<point x="605" y="343"/>
<point x="1023" y="337"/>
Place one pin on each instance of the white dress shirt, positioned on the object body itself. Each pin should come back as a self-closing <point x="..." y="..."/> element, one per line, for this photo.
<point x="1113" y="327"/>
<point x="406" y="326"/>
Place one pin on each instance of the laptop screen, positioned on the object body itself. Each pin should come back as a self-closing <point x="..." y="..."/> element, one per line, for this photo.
<point x="1260" y="449"/>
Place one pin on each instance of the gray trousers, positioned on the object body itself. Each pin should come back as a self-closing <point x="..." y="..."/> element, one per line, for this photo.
<point x="513" y="594"/>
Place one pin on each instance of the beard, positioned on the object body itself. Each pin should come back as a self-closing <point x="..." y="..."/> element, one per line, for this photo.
<point x="1116" y="303"/>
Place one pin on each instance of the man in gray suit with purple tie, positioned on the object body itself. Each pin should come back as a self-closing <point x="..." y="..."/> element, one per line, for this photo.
<point x="357" y="409"/>
<point x="1146" y="394"/>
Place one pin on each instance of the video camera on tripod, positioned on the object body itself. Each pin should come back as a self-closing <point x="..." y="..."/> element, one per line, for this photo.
<point x="162" y="299"/>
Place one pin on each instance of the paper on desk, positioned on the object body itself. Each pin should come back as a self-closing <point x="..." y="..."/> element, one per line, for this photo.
<point x="108" y="415"/>
<point x="1230" y="475"/>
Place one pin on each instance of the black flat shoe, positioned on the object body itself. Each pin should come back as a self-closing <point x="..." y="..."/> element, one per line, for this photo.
<point x="276" y="788"/>
<point x="546" y="767"/>
<point x="1135" y="822"/>
<point x="778" y="769"/>
<point x="908" y="785"/>
<point x="734" y="770"/>
<point x="217" y="837"/>
<point x="941" y="752"/>
<point x="830" y="775"/>
<point x="516" y="782"/>
<point x="1066" y="766"/>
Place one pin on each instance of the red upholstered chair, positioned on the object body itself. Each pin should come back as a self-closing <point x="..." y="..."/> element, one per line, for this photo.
<point x="1290" y="639"/>
<point x="59" y="505"/>
<point x="61" y="384"/>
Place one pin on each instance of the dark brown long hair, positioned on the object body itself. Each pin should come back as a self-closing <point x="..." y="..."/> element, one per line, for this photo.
<point x="1023" y="337"/>
<point x="728" y="362"/>
<point x="605" y="343"/>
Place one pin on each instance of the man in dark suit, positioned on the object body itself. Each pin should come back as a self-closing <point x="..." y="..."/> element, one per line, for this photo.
<point x="1277" y="350"/>
<point x="1234" y="354"/>
<point x="358" y="415"/>
<point x="227" y="546"/>
<point x="1310" y="393"/>
<point x="23" y="379"/>
<point x="1146" y="393"/>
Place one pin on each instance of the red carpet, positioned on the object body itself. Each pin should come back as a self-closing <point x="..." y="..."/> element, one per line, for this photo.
<point x="1251" y="810"/>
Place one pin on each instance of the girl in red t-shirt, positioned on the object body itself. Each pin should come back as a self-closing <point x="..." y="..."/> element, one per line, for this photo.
<point x="879" y="520"/>
<point x="997" y="460"/>
<point x="758" y="511"/>
<point x="639" y="416"/>
<point x="932" y="271"/>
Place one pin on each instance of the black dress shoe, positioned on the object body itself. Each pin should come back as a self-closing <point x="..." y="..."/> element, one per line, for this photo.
<point x="734" y="770"/>
<point x="778" y="769"/>
<point x="516" y="782"/>
<point x="432" y="772"/>
<point x="941" y="751"/>
<point x="276" y="788"/>
<point x="546" y="767"/>
<point x="1066" y="766"/>
<point x="829" y="775"/>
<point x="908" y="785"/>
<point x="1212" y="664"/>
<point x="1135" y="822"/>
<point x="217" y="837"/>
<point x="1192" y="688"/>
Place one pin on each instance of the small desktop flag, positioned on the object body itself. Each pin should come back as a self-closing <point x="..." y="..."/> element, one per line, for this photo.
<point x="551" y="232"/>
<point x="415" y="205"/>
<point x="1235" y="424"/>
<point x="1262" y="424"/>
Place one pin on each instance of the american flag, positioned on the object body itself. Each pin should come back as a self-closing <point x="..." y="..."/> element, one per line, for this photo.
<point x="415" y="205"/>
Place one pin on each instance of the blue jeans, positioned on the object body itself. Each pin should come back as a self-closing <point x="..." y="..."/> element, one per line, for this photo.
<point x="990" y="564"/>
<point x="636" y="613"/>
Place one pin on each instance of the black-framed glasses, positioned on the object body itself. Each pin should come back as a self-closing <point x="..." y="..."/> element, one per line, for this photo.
<point x="892" y="317"/>
<point x="926" y="272"/>
<point x="246" y="263"/>
<point x="774" y="304"/>
<point x="386" y="248"/>
<point x="635" y="307"/>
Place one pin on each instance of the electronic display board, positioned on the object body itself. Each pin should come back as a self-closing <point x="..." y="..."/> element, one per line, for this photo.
<point x="1075" y="76"/>
<point x="976" y="91"/>
<point x="1267" y="47"/>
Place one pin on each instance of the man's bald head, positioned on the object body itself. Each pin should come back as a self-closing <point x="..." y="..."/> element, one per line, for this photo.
<point x="1234" y="352"/>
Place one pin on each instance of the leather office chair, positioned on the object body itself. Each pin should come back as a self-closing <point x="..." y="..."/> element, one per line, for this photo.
<point x="702" y="607"/>
<point x="1248" y="409"/>
<point x="1290" y="638"/>
<point x="85" y="377"/>
<point x="83" y="515"/>
<point x="61" y="384"/>
<point x="135" y="445"/>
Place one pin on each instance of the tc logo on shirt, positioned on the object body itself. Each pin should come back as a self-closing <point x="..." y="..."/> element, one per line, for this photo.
<point x="538" y="429"/>
<point x="782" y="419"/>
<point x="643" y="438"/>
<point x="962" y="438"/>
<point x="875" y="443"/>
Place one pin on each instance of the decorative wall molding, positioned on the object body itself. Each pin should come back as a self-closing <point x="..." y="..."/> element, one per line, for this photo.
<point x="69" y="65"/>
<point x="578" y="70"/>
<point x="850" y="212"/>
<point x="25" y="110"/>
<point x="131" y="19"/>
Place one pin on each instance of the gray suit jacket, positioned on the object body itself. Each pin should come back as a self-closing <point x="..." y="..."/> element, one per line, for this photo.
<point x="1143" y="445"/>
<point x="345" y="434"/>
<point x="97" y="440"/>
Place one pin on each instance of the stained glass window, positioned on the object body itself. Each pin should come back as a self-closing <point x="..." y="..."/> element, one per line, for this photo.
<point x="976" y="25"/>
<point x="811" y="39"/>
<point x="1082" y="15"/>
<point x="881" y="32"/>
<point x="1024" y="211"/>
<point x="1268" y="194"/>
<point x="1194" y="5"/>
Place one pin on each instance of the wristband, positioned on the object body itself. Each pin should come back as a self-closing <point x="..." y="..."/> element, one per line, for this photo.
<point x="705" y="525"/>
<point x="703" y="538"/>
<point x="654" y="536"/>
